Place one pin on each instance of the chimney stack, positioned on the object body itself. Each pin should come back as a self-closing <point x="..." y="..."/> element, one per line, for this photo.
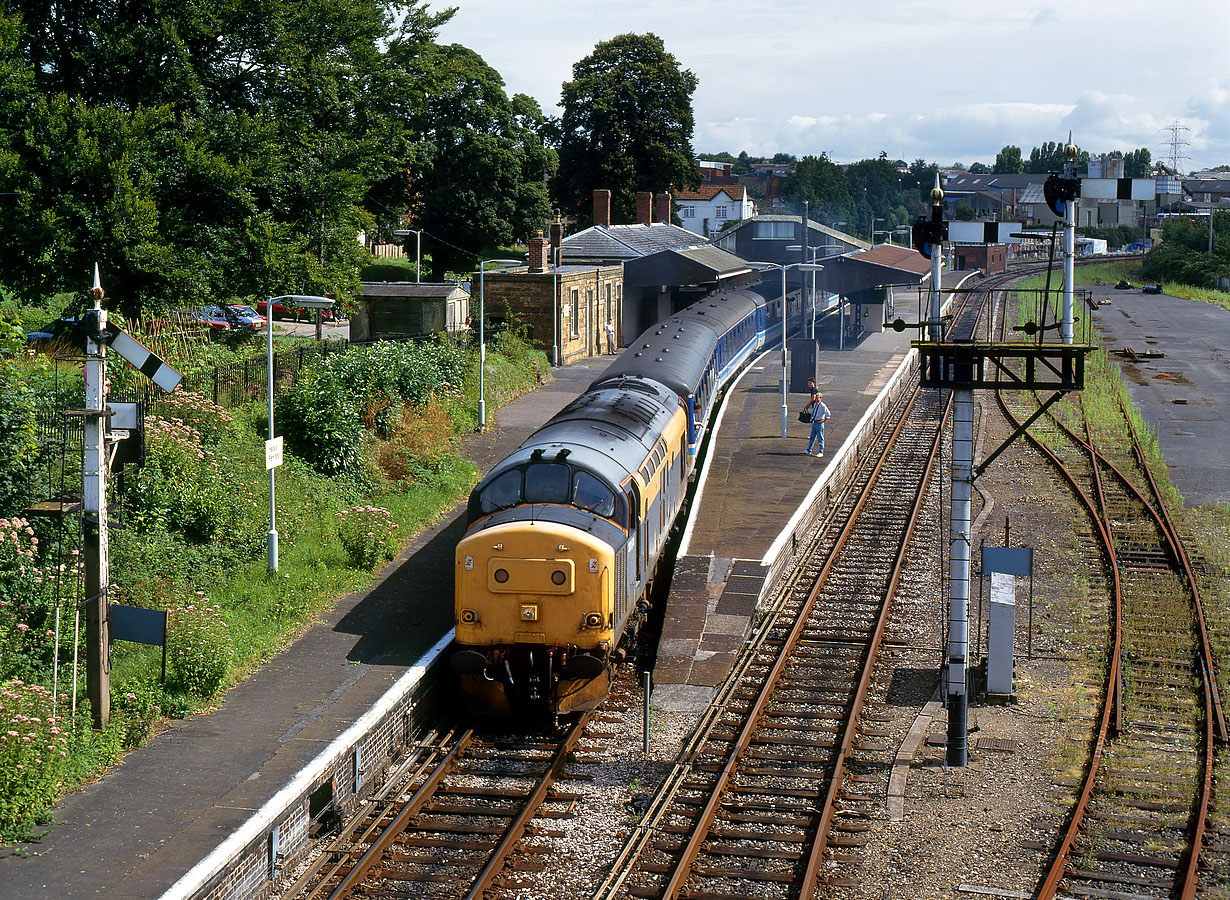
<point x="538" y="252"/>
<point x="663" y="208"/>
<point x="602" y="208"/>
<point x="644" y="208"/>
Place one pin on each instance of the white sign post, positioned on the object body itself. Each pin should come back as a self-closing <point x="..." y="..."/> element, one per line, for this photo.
<point x="273" y="453"/>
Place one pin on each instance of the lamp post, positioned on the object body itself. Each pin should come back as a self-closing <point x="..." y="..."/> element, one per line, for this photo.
<point x="794" y="248"/>
<point x="802" y="267"/>
<point x="875" y="219"/>
<point x="309" y="302"/>
<point x="418" y="249"/>
<point x="482" y="338"/>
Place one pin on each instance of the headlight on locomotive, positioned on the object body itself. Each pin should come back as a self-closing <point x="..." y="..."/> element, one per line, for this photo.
<point x="593" y="620"/>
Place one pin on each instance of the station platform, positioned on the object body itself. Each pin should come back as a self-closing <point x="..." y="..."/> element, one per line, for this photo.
<point x="752" y="488"/>
<point x="136" y="831"/>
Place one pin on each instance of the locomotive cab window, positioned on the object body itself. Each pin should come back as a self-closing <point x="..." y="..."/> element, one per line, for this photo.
<point x="502" y="493"/>
<point x="592" y="495"/>
<point x="546" y="483"/>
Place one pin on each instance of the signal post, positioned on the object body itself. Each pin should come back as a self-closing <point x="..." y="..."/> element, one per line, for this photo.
<point x="966" y="366"/>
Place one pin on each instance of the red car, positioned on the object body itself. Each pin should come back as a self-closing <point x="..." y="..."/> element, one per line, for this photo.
<point x="281" y="311"/>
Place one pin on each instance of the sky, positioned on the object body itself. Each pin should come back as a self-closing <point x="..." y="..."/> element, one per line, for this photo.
<point x="940" y="80"/>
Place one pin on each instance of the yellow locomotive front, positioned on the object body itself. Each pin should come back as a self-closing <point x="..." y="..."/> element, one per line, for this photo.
<point x="534" y="617"/>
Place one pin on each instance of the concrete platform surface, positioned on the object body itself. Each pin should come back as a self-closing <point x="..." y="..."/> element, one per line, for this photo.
<point x="754" y="482"/>
<point x="1182" y="393"/>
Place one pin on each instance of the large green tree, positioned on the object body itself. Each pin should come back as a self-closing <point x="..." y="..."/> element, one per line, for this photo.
<point x="213" y="148"/>
<point x="626" y="126"/>
<point x="478" y="174"/>
<point x="822" y="183"/>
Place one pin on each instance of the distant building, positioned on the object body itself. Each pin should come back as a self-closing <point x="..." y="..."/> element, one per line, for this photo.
<point x="706" y="210"/>
<point x="716" y="172"/>
<point x="665" y="267"/>
<point x="766" y="238"/>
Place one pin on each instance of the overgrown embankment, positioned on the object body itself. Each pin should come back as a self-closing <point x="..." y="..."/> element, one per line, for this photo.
<point x="372" y="457"/>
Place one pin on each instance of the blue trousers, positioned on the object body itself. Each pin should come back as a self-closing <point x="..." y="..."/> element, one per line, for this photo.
<point x="817" y="434"/>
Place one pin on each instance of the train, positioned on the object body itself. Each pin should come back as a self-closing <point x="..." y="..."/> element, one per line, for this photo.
<point x="564" y="536"/>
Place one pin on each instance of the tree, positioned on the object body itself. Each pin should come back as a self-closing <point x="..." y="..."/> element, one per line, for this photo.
<point x="1008" y="161"/>
<point x="1050" y="158"/>
<point x="1183" y="255"/>
<point x="626" y="126"/>
<point x="980" y="169"/>
<point x="479" y="170"/>
<point x="229" y="152"/>
<point x="820" y="182"/>
<point x="1138" y="164"/>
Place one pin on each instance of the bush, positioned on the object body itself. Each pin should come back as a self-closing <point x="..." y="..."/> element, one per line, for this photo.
<point x="33" y="754"/>
<point x="199" y="650"/>
<point x="18" y="447"/>
<point x="368" y="534"/>
<point x="137" y="706"/>
<point x="182" y="484"/>
<point x="28" y="590"/>
<point x="323" y="415"/>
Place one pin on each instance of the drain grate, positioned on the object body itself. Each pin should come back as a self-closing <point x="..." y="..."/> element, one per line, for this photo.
<point x="1003" y="745"/>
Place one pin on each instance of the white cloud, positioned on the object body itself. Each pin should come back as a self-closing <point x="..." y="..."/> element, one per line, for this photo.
<point x="942" y="80"/>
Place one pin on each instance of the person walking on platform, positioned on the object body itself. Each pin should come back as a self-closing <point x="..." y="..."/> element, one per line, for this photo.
<point x="819" y="415"/>
<point x="610" y="337"/>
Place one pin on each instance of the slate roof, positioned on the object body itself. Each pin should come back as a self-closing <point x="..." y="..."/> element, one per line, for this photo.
<point x="968" y="184"/>
<point x="623" y="242"/>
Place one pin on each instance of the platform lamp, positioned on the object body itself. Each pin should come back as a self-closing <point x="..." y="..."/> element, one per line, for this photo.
<point x="482" y="337"/>
<point x="404" y="233"/>
<point x="795" y="248"/>
<point x="307" y="302"/>
<point x="802" y="267"/>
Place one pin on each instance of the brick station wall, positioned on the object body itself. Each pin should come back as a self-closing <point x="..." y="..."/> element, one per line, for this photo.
<point x="529" y="297"/>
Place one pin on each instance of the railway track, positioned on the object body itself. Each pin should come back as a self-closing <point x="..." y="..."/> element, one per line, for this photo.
<point x="1140" y="811"/>
<point x="751" y="808"/>
<point x="448" y="819"/>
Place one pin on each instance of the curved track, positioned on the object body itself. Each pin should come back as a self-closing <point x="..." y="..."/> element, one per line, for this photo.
<point x="1143" y="802"/>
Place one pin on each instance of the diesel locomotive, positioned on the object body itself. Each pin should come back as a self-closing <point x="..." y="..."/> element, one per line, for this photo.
<point x="564" y="536"/>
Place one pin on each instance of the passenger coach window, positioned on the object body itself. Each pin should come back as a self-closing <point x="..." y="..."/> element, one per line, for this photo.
<point x="546" y="483"/>
<point x="502" y="493"/>
<point x="592" y="495"/>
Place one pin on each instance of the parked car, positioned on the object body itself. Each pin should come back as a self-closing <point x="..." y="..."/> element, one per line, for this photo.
<point x="248" y="317"/>
<point x="281" y="311"/>
<point x="59" y="329"/>
<point x="213" y="317"/>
